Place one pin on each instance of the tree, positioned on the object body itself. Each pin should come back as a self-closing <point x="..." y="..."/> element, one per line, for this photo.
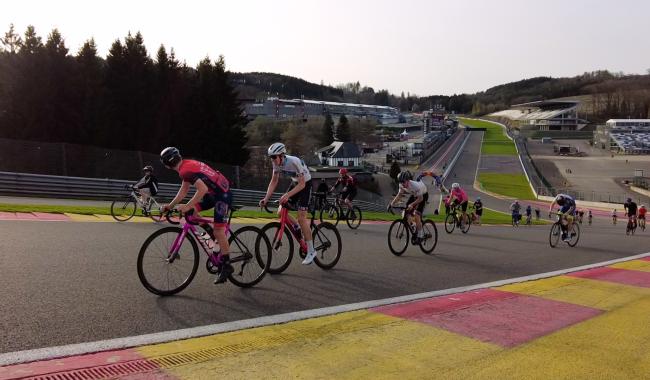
<point x="343" y="129"/>
<point x="33" y="43"/>
<point x="327" y="131"/>
<point x="11" y="42"/>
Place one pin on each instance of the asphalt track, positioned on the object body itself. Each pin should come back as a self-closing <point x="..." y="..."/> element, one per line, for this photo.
<point x="73" y="282"/>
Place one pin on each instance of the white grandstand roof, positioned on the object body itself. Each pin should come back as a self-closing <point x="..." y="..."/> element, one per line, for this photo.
<point x="532" y="115"/>
<point x="628" y="120"/>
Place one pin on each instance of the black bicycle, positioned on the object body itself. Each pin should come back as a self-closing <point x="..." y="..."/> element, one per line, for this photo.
<point x="630" y="229"/>
<point x="558" y="228"/>
<point x="455" y="219"/>
<point x="340" y="211"/>
<point x="404" y="229"/>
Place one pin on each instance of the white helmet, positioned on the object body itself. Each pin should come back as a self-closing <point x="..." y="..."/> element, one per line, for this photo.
<point x="455" y="185"/>
<point x="276" y="148"/>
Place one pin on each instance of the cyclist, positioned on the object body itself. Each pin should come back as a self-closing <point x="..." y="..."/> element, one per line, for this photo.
<point x="299" y="193"/>
<point x="631" y="211"/>
<point x="537" y="212"/>
<point x="515" y="209"/>
<point x="567" y="209"/>
<point x="212" y="191"/>
<point x="529" y="214"/>
<point x="147" y="186"/>
<point x="418" y="197"/>
<point x="349" y="190"/>
<point x="478" y="209"/>
<point x="614" y="217"/>
<point x="642" y="212"/>
<point x="581" y="215"/>
<point x="458" y="197"/>
<point x="590" y="216"/>
<point x="321" y="194"/>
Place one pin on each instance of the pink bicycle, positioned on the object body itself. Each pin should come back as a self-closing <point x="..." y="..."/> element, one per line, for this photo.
<point x="169" y="258"/>
<point x="327" y="242"/>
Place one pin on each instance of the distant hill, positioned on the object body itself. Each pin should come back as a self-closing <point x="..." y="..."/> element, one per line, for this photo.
<point x="604" y="94"/>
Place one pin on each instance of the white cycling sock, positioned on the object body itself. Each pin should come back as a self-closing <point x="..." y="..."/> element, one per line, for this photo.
<point x="310" y="246"/>
<point x="420" y="233"/>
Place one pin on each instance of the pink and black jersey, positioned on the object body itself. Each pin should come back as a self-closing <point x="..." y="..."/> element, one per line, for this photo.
<point x="191" y="170"/>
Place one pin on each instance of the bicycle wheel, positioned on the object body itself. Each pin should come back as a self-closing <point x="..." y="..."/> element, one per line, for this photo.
<point x="354" y="218"/>
<point x="464" y="226"/>
<point x="282" y="250"/>
<point x="330" y="213"/>
<point x="450" y="223"/>
<point x="554" y="236"/>
<point x="155" y="213"/>
<point x="430" y="240"/>
<point x="398" y="237"/>
<point x="327" y="243"/>
<point x="123" y="209"/>
<point x="575" y="235"/>
<point x="164" y="275"/>
<point x="250" y="256"/>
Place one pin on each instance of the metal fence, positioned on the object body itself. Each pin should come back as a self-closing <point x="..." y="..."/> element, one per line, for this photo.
<point x="593" y="196"/>
<point x="48" y="186"/>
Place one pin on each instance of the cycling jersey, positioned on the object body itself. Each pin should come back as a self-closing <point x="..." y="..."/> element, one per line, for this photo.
<point x="191" y="170"/>
<point x="568" y="200"/>
<point x="459" y="194"/>
<point x="642" y="212"/>
<point x="347" y="181"/>
<point x="415" y="188"/>
<point x="515" y="207"/>
<point x="529" y="211"/>
<point x="292" y="167"/>
<point x="150" y="182"/>
<point x="478" y="207"/>
<point x="631" y="208"/>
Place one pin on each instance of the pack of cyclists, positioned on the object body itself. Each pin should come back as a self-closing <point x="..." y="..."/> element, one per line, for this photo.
<point x="213" y="192"/>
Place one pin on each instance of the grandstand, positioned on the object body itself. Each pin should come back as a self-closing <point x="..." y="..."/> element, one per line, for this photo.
<point x="535" y="118"/>
<point x="628" y="136"/>
<point x="302" y="109"/>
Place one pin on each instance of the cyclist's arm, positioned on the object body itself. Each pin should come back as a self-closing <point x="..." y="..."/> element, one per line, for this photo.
<point x="550" y="209"/>
<point x="416" y="202"/>
<point x="398" y="196"/>
<point x="298" y="188"/>
<point x="272" y="185"/>
<point x="182" y="192"/>
<point x="201" y="189"/>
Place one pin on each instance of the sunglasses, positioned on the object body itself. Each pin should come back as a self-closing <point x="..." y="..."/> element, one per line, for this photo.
<point x="274" y="156"/>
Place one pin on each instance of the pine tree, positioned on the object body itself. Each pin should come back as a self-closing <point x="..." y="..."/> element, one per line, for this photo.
<point x="32" y="43"/>
<point x="11" y="42"/>
<point x="327" y="132"/>
<point x="343" y="129"/>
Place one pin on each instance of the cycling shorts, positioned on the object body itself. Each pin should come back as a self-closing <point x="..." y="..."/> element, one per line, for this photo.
<point x="631" y="214"/>
<point x="420" y="207"/>
<point x="301" y="199"/>
<point x="642" y="216"/>
<point x="350" y="194"/>
<point x="221" y="201"/>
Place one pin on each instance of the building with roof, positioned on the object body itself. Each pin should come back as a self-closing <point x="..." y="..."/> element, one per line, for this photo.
<point x="302" y="109"/>
<point x="341" y="154"/>
<point x="547" y="115"/>
<point x="628" y="136"/>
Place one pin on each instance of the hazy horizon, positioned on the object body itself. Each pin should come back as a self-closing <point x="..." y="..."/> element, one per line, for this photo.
<point x="421" y="47"/>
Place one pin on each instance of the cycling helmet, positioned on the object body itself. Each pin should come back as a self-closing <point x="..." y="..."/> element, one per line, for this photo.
<point x="478" y="198"/>
<point x="404" y="176"/>
<point x="343" y="171"/>
<point x="629" y="200"/>
<point x="170" y="156"/>
<point x="455" y="185"/>
<point x="148" y="168"/>
<point x="276" y="148"/>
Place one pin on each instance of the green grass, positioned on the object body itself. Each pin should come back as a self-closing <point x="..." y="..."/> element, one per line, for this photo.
<point x="511" y="185"/>
<point x="489" y="216"/>
<point x="495" y="142"/>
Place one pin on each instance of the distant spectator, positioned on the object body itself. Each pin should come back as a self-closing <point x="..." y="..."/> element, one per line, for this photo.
<point x="478" y="209"/>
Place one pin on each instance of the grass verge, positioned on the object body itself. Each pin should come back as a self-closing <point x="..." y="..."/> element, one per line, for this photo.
<point x="495" y="142"/>
<point x="510" y="185"/>
<point x="489" y="216"/>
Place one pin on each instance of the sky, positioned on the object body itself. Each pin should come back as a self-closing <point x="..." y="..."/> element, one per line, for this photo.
<point x="416" y="46"/>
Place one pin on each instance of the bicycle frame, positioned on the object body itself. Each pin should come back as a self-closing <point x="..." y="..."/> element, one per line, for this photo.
<point x="284" y="221"/>
<point x="190" y="227"/>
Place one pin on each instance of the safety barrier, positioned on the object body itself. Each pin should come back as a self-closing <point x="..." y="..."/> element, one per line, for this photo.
<point x="49" y="186"/>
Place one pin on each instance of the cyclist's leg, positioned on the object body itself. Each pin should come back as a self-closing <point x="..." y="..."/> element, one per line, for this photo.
<point x="301" y="200"/>
<point x="463" y="207"/>
<point x="419" y="210"/>
<point x="222" y="205"/>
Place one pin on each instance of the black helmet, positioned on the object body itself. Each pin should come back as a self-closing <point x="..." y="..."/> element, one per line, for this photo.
<point x="170" y="156"/>
<point x="148" y="168"/>
<point x="404" y="176"/>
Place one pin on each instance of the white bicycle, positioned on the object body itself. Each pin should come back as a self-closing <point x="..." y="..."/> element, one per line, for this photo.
<point x="124" y="208"/>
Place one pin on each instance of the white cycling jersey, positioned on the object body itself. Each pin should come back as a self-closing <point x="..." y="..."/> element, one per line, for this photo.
<point x="293" y="167"/>
<point x="415" y="188"/>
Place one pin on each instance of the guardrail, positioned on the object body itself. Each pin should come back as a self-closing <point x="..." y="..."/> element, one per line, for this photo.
<point x="49" y="186"/>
